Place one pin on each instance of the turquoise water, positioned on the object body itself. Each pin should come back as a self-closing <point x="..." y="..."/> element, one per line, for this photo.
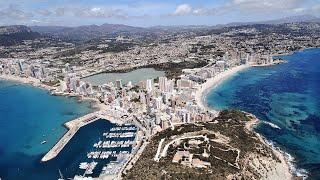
<point x="29" y="116"/>
<point x="32" y="115"/>
<point x="286" y="95"/>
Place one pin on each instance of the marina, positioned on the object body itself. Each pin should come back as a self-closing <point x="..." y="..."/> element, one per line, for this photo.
<point x="110" y="153"/>
<point x="64" y="158"/>
<point x="74" y="125"/>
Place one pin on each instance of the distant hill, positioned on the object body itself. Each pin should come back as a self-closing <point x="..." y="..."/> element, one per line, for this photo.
<point x="48" y="29"/>
<point x="291" y="19"/>
<point x="86" y="32"/>
<point x="14" y="29"/>
<point x="11" y="35"/>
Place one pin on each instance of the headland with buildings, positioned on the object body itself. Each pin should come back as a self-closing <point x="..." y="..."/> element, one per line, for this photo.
<point x="153" y="105"/>
<point x="114" y="109"/>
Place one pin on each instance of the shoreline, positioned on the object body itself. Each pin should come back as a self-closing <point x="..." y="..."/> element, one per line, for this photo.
<point x="95" y="104"/>
<point x="200" y="96"/>
<point x="27" y="80"/>
<point x="214" y="82"/>
<point x="285" y="165"/>
<point x="286" y="159"/>
<point x="72" y="126"/>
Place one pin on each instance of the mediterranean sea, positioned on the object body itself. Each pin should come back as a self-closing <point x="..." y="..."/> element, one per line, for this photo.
<point x="30" y="115"/>
<point x="286" y="95"/>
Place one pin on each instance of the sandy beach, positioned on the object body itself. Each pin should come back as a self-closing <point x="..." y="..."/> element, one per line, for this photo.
<point x="27" y="80"/>
<point x="37" y="83"/>
<point x="212" y="83"/>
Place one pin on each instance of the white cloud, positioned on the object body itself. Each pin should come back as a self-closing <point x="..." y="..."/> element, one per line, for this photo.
<point x="100" y="12"/>
<point x="249" y="7"/>
<point x="205" y="11"/>
<point x="199" y="11"/>
<point x="183" y="9"/>
<point x="265" y="5"/>
<point x="186" y="9"/>
<point x="78" y="12"/>
<point x="13" y="12"/>
<point x="35" y="21"/>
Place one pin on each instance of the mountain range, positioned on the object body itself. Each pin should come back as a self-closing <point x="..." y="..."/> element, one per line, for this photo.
<point x="291" y="19"/>
<point x="95" y="31"/>
<point x="86" y="32"/>
<point x="16" y="33"/>
<point x="11" y="35"/>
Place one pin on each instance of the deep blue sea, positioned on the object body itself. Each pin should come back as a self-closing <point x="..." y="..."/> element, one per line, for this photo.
<point x="287" y="95"/>
<point x="29" y="116"/>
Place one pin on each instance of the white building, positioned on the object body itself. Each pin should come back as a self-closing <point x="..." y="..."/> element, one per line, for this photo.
<point x="63" y="86"/>
<point x="119" y="84"/>
<point x="158" y="103"/>
<point x="163" y="84"/>
<point x="149" y="85"/>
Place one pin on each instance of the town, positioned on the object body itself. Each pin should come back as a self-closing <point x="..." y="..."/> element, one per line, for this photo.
<point x="166" y="102"/>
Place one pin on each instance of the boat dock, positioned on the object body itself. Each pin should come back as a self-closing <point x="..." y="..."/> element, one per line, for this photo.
<point x="73" y="127"/>
<point x="112" y="151"/>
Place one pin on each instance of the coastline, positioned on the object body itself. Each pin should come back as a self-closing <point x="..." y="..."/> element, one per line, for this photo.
<point x="96" y="105"/>
<point x="27" y="80"/>
<point x="71" y="126"/>
<point x="200" y="96"/>
<point x="214" y="82"/>
<point x="285" y="165"/>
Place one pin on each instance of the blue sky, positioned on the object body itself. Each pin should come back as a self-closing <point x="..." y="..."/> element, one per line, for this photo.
<point x="150" y="13"/>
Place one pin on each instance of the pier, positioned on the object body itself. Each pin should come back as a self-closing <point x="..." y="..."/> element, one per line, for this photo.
<point x="73" y="127"/>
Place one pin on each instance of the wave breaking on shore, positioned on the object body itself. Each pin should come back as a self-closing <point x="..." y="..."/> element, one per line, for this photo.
<point x="298" y="172"/>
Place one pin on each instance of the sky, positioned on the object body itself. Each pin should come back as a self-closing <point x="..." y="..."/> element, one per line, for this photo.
<point x="145" y="13"/>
